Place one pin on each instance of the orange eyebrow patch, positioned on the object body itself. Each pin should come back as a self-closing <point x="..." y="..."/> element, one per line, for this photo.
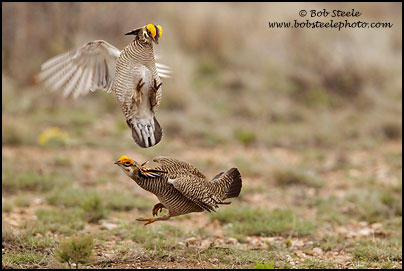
<point x="152" y="29"/>
<point x="160" y="31"/>
<point x="125" y="159"/>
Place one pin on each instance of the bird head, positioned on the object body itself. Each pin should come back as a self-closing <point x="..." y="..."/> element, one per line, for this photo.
<point x="134" y="170"/>
<point x="128" y="165"/>
<point x="149" y="33"/>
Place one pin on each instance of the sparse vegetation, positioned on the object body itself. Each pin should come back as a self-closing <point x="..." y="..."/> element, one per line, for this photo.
<point x="13" y="181"/>
<point x="59" y="220"/>
<point x="264" y="265"/>
<point x="312" y="119"/>
<point x="75" y="250"/>
<point x="286" y="177"/>
<point x="247" y="221"/>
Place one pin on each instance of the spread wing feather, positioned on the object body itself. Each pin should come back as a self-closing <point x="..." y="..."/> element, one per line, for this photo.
<point x="174" y="166"/>
<point x="86" y="69"/>
<point x="189" y="181"/>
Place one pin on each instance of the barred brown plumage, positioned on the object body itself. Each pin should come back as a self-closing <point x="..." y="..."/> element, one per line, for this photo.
<point x="131" y="74"/>
<point x="180" y="187"/>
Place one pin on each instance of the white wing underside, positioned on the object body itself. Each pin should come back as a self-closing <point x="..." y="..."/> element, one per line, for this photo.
<point x="86" y="69"/>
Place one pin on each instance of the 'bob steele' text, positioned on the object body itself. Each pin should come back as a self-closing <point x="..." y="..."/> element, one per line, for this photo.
<point x="334" y="13"/>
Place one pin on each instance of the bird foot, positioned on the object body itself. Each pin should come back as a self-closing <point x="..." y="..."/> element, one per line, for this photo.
<point x="157" y="208"/>
<point x="140" y="84"/>
<point x="155" y="88"/>
<point x="149" y="220"/>
<point x="139" y="92"/>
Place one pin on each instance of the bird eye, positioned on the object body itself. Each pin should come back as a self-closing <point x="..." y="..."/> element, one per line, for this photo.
<point x="127" y="163"/>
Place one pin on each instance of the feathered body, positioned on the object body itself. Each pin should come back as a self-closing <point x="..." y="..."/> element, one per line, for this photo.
<point x="136" y="64"/>
<point x="181" y="188"/>
<point x="131" y="74"/>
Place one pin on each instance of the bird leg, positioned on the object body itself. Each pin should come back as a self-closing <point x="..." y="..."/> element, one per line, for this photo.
<point x="139" y="92"/>
<point x="155" y="88"/>
<point x="152" y="220"/>
<point x="157" y="208"/>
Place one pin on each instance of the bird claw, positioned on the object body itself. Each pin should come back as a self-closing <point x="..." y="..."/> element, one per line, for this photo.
<point x="140" y="84"/>
<point x="158" y="207"/>
<point x="155" y="86"/>
<point x="153" y="97"/>
<point x="149" y="220"/>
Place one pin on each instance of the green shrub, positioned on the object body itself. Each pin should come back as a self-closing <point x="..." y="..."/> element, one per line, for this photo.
<point x="75" y="250"/>
<point x="264" y="265"/>
<point x="246" y="221"/>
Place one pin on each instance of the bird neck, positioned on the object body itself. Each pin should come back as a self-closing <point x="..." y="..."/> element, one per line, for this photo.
<point x="142" y="181"/>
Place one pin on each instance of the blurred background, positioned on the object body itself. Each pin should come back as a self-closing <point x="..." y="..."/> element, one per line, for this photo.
<point x="311" y="117"/>
<point x="236" y="80"/>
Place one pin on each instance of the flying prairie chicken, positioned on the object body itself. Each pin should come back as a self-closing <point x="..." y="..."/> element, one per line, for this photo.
<point x="131" y="74"/>
<point x="180" y="187"/>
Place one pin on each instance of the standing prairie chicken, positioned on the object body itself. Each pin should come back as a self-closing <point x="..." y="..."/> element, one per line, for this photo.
<point x="180" y="187"/>
<point x="131" y="73"/>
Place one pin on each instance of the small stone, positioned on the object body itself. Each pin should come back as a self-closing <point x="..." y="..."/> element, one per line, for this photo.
<point x="108" y="226"/>
<point x="297" y="243"/>
<point x="363" y="223"/>
<point x="365" y="231"/>
<point x="318" y="251"/>
<point x="205" y="244"/>
<point x="377" y="226"/>
<point x="192" y="241"/>
<point x="231" y="240"/>
<point x="300" y="254"/>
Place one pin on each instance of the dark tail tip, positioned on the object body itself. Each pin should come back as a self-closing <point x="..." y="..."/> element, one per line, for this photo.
<point x="146" y="142"/>
<point x="158" y="132"/>
<point x="235" y="187"/>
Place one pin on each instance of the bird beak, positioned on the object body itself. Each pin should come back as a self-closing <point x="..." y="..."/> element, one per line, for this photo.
<point x="117" y="162"/>
<point x="131" y="32"/>
<point x="134" y="31"/>
<point x="156" y="39"/>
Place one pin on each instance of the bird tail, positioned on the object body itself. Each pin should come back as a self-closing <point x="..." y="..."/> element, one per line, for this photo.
<point x="146" y="133"/>
<point x="227" y="184"/>
<point x="235" y="184"/>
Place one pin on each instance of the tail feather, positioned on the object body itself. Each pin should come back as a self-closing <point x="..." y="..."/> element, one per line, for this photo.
<point x="236" y="184"/>
<point x="145" y="133"/>
<point x="226" y="185"/>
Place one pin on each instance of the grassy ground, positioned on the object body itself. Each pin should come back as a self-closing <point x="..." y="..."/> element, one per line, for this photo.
<point x="307" y="208"/>
<point x="315" y="132"/>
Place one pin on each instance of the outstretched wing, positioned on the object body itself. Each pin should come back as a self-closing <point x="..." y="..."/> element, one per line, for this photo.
<point x="174" y="166"/>
<point x="90" y="67"/>
<point x="163" y="70"/>
<point x="189" y="181"/>
<point x="196" y="189"/>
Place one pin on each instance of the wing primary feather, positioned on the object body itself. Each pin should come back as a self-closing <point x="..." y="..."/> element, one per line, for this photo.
<point x="70" y="70"/>
<point x="53" y="60"/>
<point x="50" y="71"/>
<point x="58" y="75"/>
<point x="71" y="84"/>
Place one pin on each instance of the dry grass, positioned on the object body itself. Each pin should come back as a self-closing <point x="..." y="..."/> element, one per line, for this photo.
<point x="312" y="119"/>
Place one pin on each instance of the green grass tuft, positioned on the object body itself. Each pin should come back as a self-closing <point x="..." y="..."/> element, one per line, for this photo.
<point x="315" y="264"/>
<point x="59" y="220"/>
<point x="286" y="177"/>
<point x="32" y="181"/>
<point x="14" y="259"/>
<point x="378" y="251"/>
<point x="265" y="265"/>
<point x="75" y="250"/>
<point x="6" y="206"/>
<point x="246" y="221"/>
<point x="245" y="136"/>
